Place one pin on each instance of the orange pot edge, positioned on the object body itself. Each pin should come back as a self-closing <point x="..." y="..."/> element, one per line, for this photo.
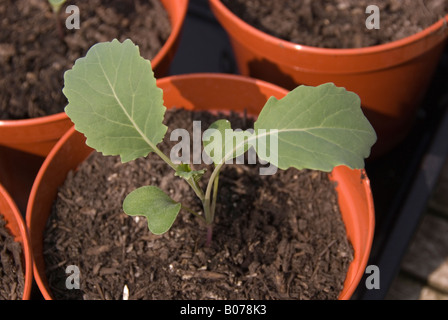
<point x="38" y="135"/>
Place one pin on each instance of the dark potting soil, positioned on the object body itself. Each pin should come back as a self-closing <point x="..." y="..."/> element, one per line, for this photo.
<point x="338" y="23"/>
<point x="275" y="237"/>
<point x="33" y="58"/>
<point x="12" y="279"/>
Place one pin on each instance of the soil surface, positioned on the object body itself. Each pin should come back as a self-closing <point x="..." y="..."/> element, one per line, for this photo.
<point x="33" y="57"/>
<point x="338" y="23"/>
<point x="12" y="278"/>
<point x="275" y="237"/>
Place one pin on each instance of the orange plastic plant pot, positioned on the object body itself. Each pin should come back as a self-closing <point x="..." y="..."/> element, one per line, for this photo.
<point x="38" y="135"/>
<point x="217" y="92"/>
<point x="391" y="79"/>
<point x="16" y="225"/>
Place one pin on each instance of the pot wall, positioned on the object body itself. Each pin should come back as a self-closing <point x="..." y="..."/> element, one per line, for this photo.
<point x="37" y="136"/>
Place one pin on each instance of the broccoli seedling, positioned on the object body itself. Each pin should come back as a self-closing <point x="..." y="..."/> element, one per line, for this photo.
<point x="56" y="7"/>
<point x="115" y="102"/>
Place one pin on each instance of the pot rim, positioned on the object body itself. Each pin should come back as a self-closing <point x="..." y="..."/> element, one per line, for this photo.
<point x="435" y="27"/>
<point x="23" y="238"/>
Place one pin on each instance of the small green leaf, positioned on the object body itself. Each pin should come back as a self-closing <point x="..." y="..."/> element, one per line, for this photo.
<point x="158" y="208"/>
<point x="315" y="128"/>
<point x="184" y="171"/>
<point x="221" y="143"/>
<point x="114" y="101"/>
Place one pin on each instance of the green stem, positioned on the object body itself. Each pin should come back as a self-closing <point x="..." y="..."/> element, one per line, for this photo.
<point x="197" y="189"/>
<point x="214" y="178"/>
<point x="207" y="213"/>
<point x="193" y="184"/>
<point x="163" y="156"/>
<point x="210" y="209"/>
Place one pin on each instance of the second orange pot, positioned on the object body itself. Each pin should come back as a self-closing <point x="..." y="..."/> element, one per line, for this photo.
<point x="391" y="79"/>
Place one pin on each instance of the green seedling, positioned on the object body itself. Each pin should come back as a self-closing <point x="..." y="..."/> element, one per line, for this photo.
<point x="56" y="6"/>
<point x="115" y="102"/>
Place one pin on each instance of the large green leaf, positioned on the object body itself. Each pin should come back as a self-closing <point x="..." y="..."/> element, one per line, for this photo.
<point x="114" y="101"/>
<point x="158" y="208"/>
<point x="316" y="127"/>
